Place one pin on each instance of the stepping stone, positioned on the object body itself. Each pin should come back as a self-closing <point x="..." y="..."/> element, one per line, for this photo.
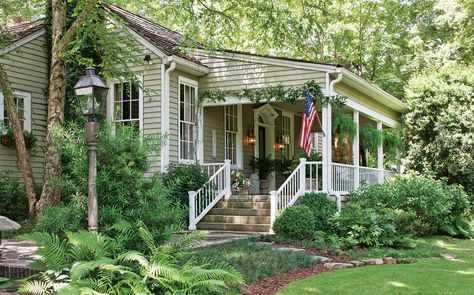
<point x="332" y="265"/>
<point x="264" y="243"/>
<point x="449" y="257"/>
<point x="321" y="258"/>
<point x="289" y="249"/>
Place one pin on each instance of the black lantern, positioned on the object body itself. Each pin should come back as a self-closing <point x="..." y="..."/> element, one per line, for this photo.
<point x="91" y="93"/>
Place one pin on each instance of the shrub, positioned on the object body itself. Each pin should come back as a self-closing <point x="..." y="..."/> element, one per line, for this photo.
<point x="183" y="178"/>
<point x="369" y="227"/>
<point x="432" y="202"/>
<point x="125" y="191"/>
<point x="14" y="203"/>
<point x="295" y="222"/>
<point x="322" y="207"/>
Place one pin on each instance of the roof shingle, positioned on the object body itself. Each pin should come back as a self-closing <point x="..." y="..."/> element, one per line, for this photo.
<point x="20" y="31"/>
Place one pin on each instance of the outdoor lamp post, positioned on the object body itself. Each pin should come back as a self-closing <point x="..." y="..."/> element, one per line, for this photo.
<point x="91" y="93"/>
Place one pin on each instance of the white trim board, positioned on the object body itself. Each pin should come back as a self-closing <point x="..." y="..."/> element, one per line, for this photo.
<point x="22" y="41"/>
<point x="27" y="108"/>
<point x="371" y="113"/>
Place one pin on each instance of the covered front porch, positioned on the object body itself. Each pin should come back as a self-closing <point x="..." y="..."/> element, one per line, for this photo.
<point x="242" y="132"/>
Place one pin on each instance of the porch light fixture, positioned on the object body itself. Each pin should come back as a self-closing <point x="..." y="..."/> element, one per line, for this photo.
<point x="91" y="93"/>
<point x="279" y="143"/>
<point x="147" y="59"/>
<point x="251" y="137"/>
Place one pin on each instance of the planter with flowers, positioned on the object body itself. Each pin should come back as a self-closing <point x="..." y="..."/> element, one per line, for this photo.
<point x="240" y="183"/>
<point x="7" y="140"/>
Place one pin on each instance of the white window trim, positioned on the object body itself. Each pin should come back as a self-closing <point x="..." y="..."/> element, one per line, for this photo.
<point x="111" y="102"/>
<point x="27" y="108"/>
<point x="198" y="144"/>
<point x="239" y="147"/>
<point x="292" y="130"/>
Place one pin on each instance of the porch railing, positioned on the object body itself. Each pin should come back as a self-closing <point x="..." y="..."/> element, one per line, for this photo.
<point x="211" y="168"/>
<point x="343" y="177"/>
<point x="203" y="200"/>
<point x="368" y="176"/>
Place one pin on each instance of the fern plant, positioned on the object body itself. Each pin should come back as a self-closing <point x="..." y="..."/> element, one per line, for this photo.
<point x="370" y="138"/>
<point x="344" y="125"/>
<point x="92" y="263"/>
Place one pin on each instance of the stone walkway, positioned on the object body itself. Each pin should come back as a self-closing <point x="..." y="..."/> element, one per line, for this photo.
<point x="221" y="237"/>
<point x="15" y="256"/>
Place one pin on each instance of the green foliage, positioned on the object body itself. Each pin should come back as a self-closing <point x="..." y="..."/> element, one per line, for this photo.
<point x="92" y="263"/>
<point x="255" y="261"/>
<point x="182" y="178"/>
<point x="125" y="192"/>
<point x="6" y="283"/>
<point x="295" y="222"/>
<point x="369" y="227"/>
<point x="322" y="207"/>
<point x="263" y="166"/>
<point x="438" y="126"/>
<point x="344" y="125"/>
<point x="14" y="203"/>
<point x="288" y="166"/>
<point x="434" y="204"/>
<point x="29" y="137"/>
<point x="370" y="138"/>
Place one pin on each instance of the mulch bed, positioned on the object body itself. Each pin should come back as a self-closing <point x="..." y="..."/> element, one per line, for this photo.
<point x="274" y="284"/>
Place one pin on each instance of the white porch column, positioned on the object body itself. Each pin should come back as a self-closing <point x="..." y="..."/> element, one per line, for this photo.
<point x="355" y="151"/>
<point x="327" y="145"/>
<point x="380" y="155"/>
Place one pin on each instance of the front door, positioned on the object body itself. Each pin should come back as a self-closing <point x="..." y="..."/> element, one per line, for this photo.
<point x="262" y="151"/>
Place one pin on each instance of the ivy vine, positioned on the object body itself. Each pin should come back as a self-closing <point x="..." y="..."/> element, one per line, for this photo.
<point x="278" y="93"/>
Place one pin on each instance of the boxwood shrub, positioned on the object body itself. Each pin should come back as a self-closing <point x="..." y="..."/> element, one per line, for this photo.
<point x="322" y="207"/>
<point x="295" y="223"/>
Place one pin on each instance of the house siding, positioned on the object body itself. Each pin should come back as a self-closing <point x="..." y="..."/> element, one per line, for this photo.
<point x="226" y="74"/>
<point x="366" y="100"/>
<point x="27" y="69"/>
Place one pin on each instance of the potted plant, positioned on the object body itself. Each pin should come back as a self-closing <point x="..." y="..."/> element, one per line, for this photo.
<point x="263" y="167"/>
<point x="240" y="183"/>
<point x="7" y="140"/>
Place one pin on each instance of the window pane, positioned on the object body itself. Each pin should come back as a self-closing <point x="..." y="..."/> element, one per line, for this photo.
<point x="118" y="92"/>
<point x="126" y="110"/>
<point x="126" y="91"/>
<point x="135" y="109"/>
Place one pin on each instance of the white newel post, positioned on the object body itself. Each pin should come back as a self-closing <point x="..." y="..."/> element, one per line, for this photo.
<point x="380" y="155"/>
<point x="303" y="176"/>
<point x="192" y="210"/>
<point x="356" y="152"/>
<point x="228" y="182"/>
<point x="326" y="147"/>
<point x="273" y="209"/>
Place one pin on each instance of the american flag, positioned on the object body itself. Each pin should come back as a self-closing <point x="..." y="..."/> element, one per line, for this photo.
<point x="309" y="115"/>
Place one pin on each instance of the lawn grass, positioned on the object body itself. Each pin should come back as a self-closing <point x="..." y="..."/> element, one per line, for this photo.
<point x="427" y="276"/>
<point x="254" y="261"/>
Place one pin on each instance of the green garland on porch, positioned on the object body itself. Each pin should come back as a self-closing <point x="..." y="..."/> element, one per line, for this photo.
<point x="278" y="93"/>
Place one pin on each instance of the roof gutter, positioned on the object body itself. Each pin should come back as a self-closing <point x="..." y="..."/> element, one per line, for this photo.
<point x="165" y="111"/>
<point x="198" y="70"/>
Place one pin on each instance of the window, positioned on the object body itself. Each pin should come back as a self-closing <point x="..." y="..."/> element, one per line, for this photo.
<point x="187" y="119"/>
<point x="23" y="108"/>
<point x="231" y="131"/>
<point x="317" y="142"/>
<point x="287" y="131"/>
<point x="127" y="104"/>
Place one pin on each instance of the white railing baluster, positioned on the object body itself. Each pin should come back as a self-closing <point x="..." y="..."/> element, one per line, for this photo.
<point x="203" y="200"/>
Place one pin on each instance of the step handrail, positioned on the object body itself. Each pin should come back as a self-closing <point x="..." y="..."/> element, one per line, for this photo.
<point x="204" y="199"/>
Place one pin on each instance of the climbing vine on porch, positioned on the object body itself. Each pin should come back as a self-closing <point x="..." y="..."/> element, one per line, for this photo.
<point x="278" y="93"/>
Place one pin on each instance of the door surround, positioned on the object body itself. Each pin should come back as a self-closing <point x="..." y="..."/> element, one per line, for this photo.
<point x="265" y="116"/>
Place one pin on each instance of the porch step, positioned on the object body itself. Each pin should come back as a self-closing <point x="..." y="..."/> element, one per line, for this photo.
<point x="243" y="204"/>
<point x="233" y="227"/>
<point x="249" y="198"/>
<point x="236" y="219"/>
<point x="239" y="211"/>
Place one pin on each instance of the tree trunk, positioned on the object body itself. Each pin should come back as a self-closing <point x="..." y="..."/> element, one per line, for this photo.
<point x="24" y="163"/>
<point x="50" y="195"/>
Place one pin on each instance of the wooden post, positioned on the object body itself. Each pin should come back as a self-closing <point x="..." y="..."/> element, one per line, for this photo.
<point x="303" y="176"/>
<point x="380" y="154"/>
<point x="273" y="209"/>
<point x="192" y="210"/>
<point x="356" y="152"/>
<point x="228" y="182"/>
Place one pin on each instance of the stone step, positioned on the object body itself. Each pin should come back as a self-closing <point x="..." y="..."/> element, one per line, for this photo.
<point x="237" y="219"/>
<point x="243" y="205"/>
<point x="233" y="227"/>
<point x="249" y="198"/>
<point x="239" y="211"/>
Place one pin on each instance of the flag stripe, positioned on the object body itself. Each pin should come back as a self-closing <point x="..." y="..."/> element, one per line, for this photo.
<point x="309" y="115"/>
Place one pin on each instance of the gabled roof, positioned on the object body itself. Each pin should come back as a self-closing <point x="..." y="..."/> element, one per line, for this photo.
<point x="22" y="30"/>
<point x="166" y="40"/>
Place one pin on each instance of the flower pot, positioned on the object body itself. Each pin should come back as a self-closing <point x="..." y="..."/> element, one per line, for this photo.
<point x="264" y="186"/>
<point x="7" y="141"/>
<point x="244" y="191"/>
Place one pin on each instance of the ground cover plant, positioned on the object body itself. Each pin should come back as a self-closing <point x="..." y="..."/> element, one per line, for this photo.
<point x="255" y="261"/>
<point x="183" y="178"/>
<point x="426" y="276"/>
<point x="14" y="203"/>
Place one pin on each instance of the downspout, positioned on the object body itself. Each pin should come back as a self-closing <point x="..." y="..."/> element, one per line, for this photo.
<point x="165" y="113"/>
<point x="329" y="141"/>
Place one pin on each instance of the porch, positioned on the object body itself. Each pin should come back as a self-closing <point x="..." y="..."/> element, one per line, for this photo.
<point x="240" y="132"/>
